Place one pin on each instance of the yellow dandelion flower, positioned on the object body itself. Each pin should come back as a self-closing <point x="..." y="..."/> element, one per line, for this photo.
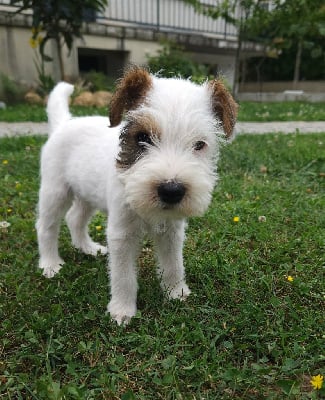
<point x="289" y="278"/>
<point x="317" y="381"/>
<point x="9" y="210"/>
<point x="5" y="162"/>
<point x="99" y="228"/>
<point x="236" y="219"/>
<point x="33" y="43"/>
<point x="36" y="29"/>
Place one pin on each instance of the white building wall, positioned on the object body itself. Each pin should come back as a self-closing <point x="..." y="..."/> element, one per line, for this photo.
<point x="17" y="58"/>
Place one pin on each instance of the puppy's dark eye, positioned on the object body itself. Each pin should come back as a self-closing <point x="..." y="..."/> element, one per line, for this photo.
<point x="142" y="138"/>
<point x="200" y="145"/>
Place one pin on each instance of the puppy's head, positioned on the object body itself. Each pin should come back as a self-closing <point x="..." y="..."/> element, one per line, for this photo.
<point x="169" y="142"/>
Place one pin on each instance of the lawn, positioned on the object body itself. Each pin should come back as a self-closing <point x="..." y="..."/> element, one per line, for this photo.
<point x="248" y="111"/>
<point x="281" y="111"/>
<point x="253" y="327"/>
<point x="36" y="113"/>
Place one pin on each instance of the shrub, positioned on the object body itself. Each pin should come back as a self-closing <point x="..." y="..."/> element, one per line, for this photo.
<point x="172" y="61"/>
<point x="98" y="81"/>
<point x="12" y="91"/>
<point x="45" y="81"/>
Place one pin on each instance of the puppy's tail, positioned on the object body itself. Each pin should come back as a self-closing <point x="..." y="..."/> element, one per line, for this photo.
<point x="58" y="105"/>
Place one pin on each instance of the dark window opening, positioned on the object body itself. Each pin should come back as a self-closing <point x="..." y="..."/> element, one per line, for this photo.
<point x="109" y="62"/>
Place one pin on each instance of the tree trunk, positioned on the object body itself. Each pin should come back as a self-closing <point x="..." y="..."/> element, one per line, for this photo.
<point x="296" y="75"/>
<point x="59" y="51"/>
<point x="237" y="67"/>
<point x="237" y="61"/>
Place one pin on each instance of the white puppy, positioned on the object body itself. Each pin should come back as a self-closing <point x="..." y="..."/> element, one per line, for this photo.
<point x="149" y="173"/>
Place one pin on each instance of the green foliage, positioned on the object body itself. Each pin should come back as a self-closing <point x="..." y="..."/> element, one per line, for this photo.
<point x="172" y="61"/>
<point x="61" y="20"/>
<point x="294" y="32"/>
<point x="246" y="332"/>
<point x="98" y="81"/>
<point x="45" y="81"/>
<point x="13" y="92"/>
<point x="281" y="68"/>
<point x="284" y="28"/>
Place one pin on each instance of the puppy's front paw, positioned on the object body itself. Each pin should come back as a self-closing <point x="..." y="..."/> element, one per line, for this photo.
<point x="93" y="249"/>
<point x="121" y="313"/>
<point x="181" y="291"/>
<point x="51" y="267"/>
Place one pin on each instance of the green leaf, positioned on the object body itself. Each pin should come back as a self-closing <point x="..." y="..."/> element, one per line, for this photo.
<point x="289" y="364"/>
<point x="44" y="56"/>
<point x="168" y="362"/>
<point x="54" y="390"/>
<point x="168" y="379"/>
<point x="129" y="395"/>
<point x="287" y="386"/>
<point x="316" y="53"/>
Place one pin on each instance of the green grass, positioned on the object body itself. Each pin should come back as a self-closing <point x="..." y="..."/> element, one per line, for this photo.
<point x="281" y="111"/>
<point x="36" y="113"/>
<point x="246" y="332"/>
<point x="248" y="111"/>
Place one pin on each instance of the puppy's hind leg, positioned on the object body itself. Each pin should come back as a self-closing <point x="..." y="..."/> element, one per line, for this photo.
<point x="77" y="219"/>
<point x="53" y="204"/>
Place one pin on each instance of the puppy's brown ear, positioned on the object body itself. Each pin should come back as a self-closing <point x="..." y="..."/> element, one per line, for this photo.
<point x="224" y="106"/>
<point x="129" y="93"/>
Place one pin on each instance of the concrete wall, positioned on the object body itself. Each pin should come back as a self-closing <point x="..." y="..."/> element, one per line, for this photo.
<point x="17" y="57"/>
<point x="136" y="50"/>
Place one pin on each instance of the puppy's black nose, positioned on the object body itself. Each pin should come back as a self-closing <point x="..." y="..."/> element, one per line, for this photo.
<point x="171" y="192"/>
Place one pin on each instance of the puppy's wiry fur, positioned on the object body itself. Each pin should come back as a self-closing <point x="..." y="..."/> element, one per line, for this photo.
<point x="148" y="173"/>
